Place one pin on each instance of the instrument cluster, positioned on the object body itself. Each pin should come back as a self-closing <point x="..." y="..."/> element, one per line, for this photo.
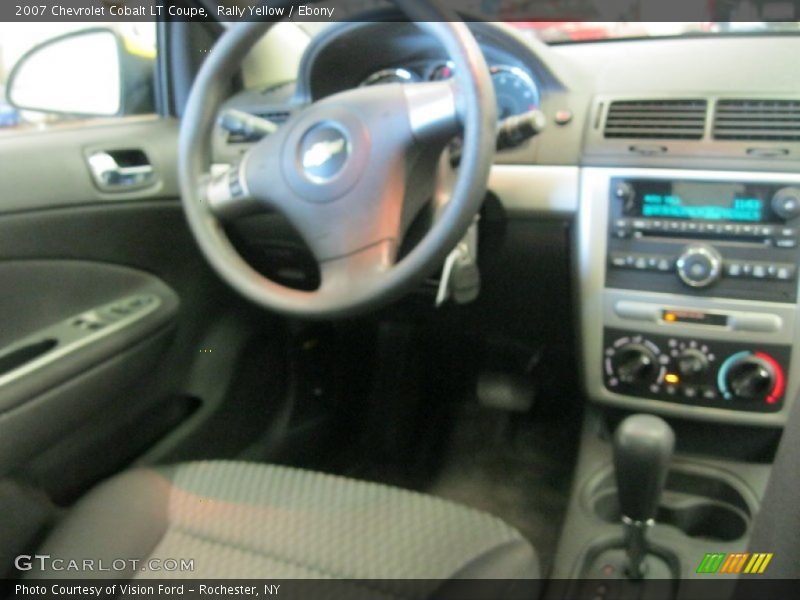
<point x="515" y="89"/>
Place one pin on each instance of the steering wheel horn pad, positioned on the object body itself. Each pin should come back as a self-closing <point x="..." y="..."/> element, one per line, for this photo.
<point x="312" y="145"/>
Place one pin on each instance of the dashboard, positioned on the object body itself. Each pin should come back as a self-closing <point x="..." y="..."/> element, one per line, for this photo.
<point x="679" y="179"/>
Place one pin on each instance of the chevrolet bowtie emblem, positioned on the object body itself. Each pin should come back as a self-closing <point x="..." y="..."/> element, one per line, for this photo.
<point x="322" y="152"/>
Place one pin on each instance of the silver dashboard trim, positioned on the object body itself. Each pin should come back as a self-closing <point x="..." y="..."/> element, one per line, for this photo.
<point x="628" y="310"/>
<point x="597" y="303"/>
<point x="543" y="189"/>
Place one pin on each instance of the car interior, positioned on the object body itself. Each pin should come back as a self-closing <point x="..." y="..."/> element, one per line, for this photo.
<point x="402" y="299"/>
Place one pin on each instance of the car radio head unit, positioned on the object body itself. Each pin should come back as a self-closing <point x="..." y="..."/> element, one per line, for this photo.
<point x="707" y="237"/>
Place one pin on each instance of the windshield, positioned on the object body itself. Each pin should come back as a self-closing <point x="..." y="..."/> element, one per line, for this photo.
<point x="585" y="31"/>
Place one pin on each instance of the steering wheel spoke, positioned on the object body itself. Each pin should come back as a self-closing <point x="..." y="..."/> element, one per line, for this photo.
<point x="432" y="110"/>
<point x="227" y="194"/>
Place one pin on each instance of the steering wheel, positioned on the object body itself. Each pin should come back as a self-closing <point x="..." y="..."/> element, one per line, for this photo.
<point x="339" y="171"/>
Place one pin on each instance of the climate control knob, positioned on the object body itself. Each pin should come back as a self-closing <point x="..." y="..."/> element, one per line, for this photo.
<point x="751" y="377"/>
<point x="699" y="265"/>
<point x="635" y="364"/>
<point x="692" y="364"/>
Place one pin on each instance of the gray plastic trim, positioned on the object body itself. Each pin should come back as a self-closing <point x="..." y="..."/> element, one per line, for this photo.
<point x="597" y="303"/>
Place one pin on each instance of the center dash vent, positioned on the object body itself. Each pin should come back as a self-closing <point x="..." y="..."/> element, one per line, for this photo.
<point x="656" y="119"/>
<point x="769" y="120"/>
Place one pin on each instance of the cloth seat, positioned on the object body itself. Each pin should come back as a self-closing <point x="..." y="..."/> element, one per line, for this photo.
<point x="250" y="520"/>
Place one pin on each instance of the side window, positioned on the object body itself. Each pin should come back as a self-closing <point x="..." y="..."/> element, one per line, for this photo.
<point x="51" y="73"/>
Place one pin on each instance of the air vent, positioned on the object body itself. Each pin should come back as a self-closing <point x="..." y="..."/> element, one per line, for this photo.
<point x="656" y="119"/>
<point x="768" y="120"/>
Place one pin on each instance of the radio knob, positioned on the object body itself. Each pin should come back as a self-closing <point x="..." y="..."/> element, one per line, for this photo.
<point x="624" y="191"/>
<point x="692" y="363"/>
<point x="750" y="379"/>
<point x="786" y="203"/>
<point x="635" y="364"/>
<point x="699" y="265"/>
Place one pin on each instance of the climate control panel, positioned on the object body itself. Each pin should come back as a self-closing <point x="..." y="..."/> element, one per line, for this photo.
<point x="695" y="371"/>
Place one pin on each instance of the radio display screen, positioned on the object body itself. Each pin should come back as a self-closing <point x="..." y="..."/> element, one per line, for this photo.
<point x="698" y="201"/>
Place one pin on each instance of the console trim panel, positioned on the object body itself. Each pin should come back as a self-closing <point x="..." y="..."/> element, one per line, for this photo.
<point x="597" y="302"/>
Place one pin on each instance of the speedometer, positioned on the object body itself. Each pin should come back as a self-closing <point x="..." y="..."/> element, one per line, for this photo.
<point x="515" y="90"/>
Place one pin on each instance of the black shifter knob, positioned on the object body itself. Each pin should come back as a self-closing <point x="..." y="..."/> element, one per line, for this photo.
<point x="643" y="446"/>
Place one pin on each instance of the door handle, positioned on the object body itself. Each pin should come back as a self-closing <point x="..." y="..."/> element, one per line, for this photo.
<point x="121" y="170"/>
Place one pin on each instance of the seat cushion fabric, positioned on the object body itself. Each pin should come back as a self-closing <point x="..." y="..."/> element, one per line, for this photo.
<point x="249" y="520"/>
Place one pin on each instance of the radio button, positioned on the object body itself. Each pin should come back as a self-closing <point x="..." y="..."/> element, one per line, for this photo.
<point x="619" y="260"/>
<point x="664" y="264"/>
<point x="785" y="272"/>
<point x="733" y="270"/>
<point x="759" y="271"/>
<point x="786" y="243"/>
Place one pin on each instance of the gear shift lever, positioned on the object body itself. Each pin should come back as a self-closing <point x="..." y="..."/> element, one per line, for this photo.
<point x="643" y="446"/>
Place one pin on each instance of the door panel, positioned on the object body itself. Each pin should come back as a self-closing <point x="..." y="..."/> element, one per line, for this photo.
<point x="66" y="248"/>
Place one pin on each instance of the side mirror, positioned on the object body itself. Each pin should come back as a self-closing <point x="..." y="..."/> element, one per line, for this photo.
<point x="75" y="74"/>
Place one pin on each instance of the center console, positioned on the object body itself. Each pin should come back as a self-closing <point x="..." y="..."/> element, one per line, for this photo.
<point x="688" y="284"/>
<point x="689" y="290"/>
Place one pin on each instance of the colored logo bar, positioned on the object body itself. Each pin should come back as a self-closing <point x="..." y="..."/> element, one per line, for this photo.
<point x="735" y="563"/>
